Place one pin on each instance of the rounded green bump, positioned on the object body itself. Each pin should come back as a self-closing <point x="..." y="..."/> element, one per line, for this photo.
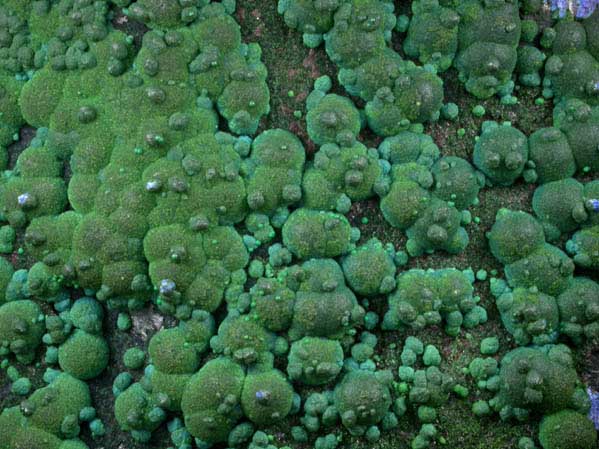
<point x="478" y="111"/>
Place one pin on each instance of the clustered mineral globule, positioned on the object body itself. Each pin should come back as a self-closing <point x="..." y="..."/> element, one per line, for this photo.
<point x="166" y="207"/>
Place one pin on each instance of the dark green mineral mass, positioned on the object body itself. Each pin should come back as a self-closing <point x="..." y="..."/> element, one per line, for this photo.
<point x="299" y="224"/>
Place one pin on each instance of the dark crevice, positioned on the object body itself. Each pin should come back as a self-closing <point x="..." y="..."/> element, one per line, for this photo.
<point x="123" y="23"/>
<point x="26" y="134"/>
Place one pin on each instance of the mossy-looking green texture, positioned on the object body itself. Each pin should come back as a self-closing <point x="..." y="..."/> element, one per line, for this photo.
<point x="310" y="233"/>
<point x="21" y="329"/>
<point x="439" y="46"/>
<point x="324" y="305"/>
<point x="116" y="210"/>
<point x="579" y="121"/>
<point x="579" y="310"/>
<point x="137" y="412"/>
<point x="416" y="96"/>
<point x="275" y="170"/>
<point x="191" y="267"/>
<point x="83" y="355"/>
<point x="315" y="361"/>
<point x="487" y="53"/>
<point x="331" y="118"/>
<point x="457" y="181"/>
<point x="362" y="399"/>
<point x="54" y="405"/>
<point x="370" y="268"/>
<point x="361" y="30"/>
<point x="243" y="339"/>
<point x="174" y="361"/>
<point x="529" y="260"/>
<point x="425" y="298"/>
<point x="574" y="55"/>
<point x="508" y="246"/>
<point x="311" y="17"/>
<point x="547" y="299"/>
<point x="272" y="304"/>
<point x="49" y="418"/>
<point x="550" y="151"/>
<point x="479" y="38"/>
<point x="584" y="247"/>
<point x="211" y="400"/>
<point x="267" y="397"/>
<point x="538" y="381"/>
<point x="229" y="72"/>
<point x="530" y="316"/>
<point x="341" y="175"/>
<point x="500" y="153"/>
<point x="156" y="191"/>
<point x="6" y="272"/>
<point x="422" y="193"/>
<point x="560" y="206"/>
<point x="398" y="92"/>
<point x="531" y="60"/>
<point x="87" y="314"/>
<point x="567" y="430"/>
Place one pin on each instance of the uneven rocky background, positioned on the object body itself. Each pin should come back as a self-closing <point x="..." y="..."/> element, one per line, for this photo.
<point x="293" y="67"/>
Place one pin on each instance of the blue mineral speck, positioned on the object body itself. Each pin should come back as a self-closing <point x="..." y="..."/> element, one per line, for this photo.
<point x="594" y="412"/>
<point x="167" y="286"/>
